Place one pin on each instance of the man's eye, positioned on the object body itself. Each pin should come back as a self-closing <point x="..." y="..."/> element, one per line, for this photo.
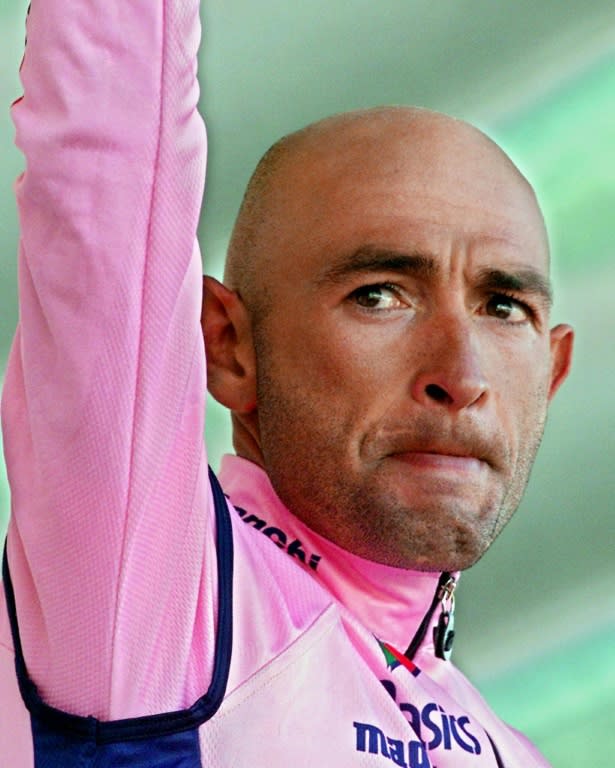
<point x="506" y="308"/>
<point x="380" y="296"/>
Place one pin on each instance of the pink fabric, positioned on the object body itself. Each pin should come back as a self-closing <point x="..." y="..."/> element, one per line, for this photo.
<point x="103" y="396"/>
<point x="111" y="543"/>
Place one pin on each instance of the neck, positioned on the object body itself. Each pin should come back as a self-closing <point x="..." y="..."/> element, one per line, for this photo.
<point x="246" y="442"/>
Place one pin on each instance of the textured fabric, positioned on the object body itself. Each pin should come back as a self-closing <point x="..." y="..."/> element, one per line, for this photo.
<point x="159" y="741"/>
<point x="54" y="749"/>
<point x="112" y="539"/>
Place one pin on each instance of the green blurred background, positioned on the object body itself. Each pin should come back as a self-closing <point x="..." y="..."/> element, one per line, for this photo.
<point x="536" y="617"/>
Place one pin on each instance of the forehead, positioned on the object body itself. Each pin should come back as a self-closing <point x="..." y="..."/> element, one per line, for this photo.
<point x="436" y="190"/>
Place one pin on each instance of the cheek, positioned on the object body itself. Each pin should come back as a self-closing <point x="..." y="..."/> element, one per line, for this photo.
<point x="517" y="363"/>
<point x="338" y="368"/>
<point x="521" y="392"/>
<point x="324" y="388"/>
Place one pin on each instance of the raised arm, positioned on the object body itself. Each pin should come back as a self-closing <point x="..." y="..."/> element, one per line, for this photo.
<point x="102" y="406"/>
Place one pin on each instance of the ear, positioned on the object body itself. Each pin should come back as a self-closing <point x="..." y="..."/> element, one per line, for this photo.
<point x="562" y="338"/>
<point x="231" y="361"/>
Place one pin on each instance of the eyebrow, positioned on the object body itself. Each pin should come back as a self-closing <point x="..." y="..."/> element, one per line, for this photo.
<point x="525" y="280"/>
<point x="370" y="259"/>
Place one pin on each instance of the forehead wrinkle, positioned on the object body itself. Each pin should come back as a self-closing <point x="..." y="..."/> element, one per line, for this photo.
<point x="370" y="259"/>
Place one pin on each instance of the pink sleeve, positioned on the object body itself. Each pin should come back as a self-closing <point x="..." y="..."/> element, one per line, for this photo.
<point x="103" y="400"/>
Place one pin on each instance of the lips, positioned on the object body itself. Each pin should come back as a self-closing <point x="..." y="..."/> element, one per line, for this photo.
<point x="442" y="445"/>
<point x="449" y="459"/>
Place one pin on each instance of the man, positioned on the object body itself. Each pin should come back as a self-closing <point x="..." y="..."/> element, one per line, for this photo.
<point x="382" y="341"/>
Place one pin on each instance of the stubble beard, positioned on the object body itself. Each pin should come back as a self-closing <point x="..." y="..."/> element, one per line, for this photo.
<point x="372" y="522"/>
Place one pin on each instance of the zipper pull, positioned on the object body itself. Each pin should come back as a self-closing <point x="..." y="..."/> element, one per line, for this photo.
<point x="444" y="631"/>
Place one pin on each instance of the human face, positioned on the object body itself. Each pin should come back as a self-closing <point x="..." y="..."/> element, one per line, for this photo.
<point x="405" y="363"/>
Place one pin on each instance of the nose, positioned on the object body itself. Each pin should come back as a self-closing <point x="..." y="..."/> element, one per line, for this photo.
<point x="450" y="373"/>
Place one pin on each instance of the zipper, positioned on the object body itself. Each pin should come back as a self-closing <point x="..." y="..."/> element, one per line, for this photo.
<point x="444" y="632"/>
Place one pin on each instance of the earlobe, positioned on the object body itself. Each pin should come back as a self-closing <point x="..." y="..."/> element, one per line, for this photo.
<point x="231" y="369"/>
<point x="562" y="338"/>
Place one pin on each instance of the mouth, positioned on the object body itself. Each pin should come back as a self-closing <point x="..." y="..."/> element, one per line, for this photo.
<point x="450" y="459"/>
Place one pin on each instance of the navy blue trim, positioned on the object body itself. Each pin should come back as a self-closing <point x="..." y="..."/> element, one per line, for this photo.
<point x="496" y="753"/>
<point x="150" y="725"/>
<point x="55" y="749"/>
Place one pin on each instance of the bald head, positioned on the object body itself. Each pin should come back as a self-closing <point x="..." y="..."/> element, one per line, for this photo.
<point x="351" y="148"/>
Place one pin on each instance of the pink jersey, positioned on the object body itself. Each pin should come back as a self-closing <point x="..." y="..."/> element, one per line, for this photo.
<point x="148" y="621"/>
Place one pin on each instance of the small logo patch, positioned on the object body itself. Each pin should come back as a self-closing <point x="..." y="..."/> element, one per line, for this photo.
<point x="396" y="659"/>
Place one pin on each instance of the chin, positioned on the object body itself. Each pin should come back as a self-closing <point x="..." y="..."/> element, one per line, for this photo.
<point x="449" y="547"/>
<point x="405" y="527"/>
<point x="431" y="563"/>
<point x="423" y="558"/>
